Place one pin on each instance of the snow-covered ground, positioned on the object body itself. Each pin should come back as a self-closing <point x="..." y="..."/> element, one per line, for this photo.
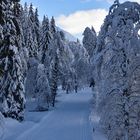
<point x="69" y="120"/>
<point x="97" y="131"/>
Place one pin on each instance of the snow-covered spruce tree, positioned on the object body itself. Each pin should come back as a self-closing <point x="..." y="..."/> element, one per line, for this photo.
<point x="31" y="80"/>
<point x="24" y="20"/>
<point x="66" y="71"/>
<point x="42" y="89"/>
<point x="89" y="40"/>
<point x="32" y="33"/>
<point x="54" y="67"/>
<point x="37" y="28"/>
<point x="23" y="51"/>
<point x="52" y="26"/>
<point x="59" y="62"/>
<point x="117" y="72"/>
<point x="11" y="82"/>
<point x="31" y="28"/>
<point x="54" y="80"/>
<point x="49" y="47"/>
<point x="24" y="24"/>
<point x="80" y="63"/>
<point x="45" y="40"/>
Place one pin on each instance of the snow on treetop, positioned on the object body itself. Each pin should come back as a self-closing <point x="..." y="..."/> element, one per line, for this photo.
<point x="128" y="10"/>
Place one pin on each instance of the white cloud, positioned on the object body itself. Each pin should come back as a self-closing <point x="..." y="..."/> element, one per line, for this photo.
<point x="75" y="23"/>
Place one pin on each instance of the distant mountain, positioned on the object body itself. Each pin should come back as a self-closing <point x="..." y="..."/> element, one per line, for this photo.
<point x="68" y="36"/>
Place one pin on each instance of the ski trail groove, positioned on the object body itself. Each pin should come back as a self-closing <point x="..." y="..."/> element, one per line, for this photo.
<point x="69" y="121"/>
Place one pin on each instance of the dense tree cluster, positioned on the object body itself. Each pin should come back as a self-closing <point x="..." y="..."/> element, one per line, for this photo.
<point x="11" y="81"/>
<point x="35" y="58"/>
<point x="117" y="72"/>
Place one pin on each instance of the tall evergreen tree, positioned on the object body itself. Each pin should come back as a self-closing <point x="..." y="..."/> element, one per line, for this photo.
<point x="42" y="89"/>
<point x="89" y="40"/>
<point x="54" y="60"/>
<point x="54" y="80"/>
<point x="37" y="27"/>
<point x="11" y="83"/>
<point x="45" y="38"/>
<point x="52" y="26"/>
<point x="32" y="43"/>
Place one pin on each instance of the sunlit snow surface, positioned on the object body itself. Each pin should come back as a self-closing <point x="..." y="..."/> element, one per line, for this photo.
<point x="71" y="119"/>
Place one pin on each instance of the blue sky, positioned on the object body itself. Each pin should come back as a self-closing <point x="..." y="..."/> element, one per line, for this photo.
<point x="59" y="7"/>
<point x="74" y="15"/>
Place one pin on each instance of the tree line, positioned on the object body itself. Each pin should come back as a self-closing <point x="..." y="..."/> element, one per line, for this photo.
<point x="116" y="69"/>
<point x="35" y="58"/>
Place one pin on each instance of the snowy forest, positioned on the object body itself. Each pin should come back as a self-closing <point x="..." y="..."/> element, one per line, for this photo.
<point x="37" y="60"/>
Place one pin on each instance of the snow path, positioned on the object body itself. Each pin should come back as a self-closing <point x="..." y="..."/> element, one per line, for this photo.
<point x="97" y="135"/>
<point x="69" y="121"/>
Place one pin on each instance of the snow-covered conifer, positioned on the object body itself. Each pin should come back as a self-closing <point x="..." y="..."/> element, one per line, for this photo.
<point x="89" y="40"/>
<point x="31" y="39"/>
<point x="11" y="83"/>
<point x="42" y="89"/>
<point x="52" y="26"/>
<point x="45" y="39"/>
<point x="31" y="80"/>
<point x="116" y="66"/>
<point x="37" y="27"/>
